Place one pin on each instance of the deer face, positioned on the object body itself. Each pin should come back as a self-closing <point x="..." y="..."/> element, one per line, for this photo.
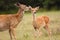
<point x="33" y="10"/>
<point x="21" y="6"/>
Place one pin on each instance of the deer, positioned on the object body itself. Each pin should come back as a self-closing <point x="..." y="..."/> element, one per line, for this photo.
<point x="40" y="21"/>
<point x="10" y="21"/>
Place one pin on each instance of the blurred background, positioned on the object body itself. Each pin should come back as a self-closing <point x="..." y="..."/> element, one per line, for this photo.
<point x="8" y="5"/>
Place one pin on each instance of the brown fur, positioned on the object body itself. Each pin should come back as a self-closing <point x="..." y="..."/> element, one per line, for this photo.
<point x="40" y="22"/>
<point x="11" y="21"/>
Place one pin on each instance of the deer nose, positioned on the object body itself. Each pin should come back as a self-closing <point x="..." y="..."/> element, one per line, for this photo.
<point x="34" y="12"/>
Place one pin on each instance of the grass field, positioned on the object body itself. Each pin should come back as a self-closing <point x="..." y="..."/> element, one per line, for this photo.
<point x="25" y="30"/>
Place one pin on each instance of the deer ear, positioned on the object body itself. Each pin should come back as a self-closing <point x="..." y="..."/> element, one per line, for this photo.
<point x="37" y="7"/>
<point x="17" y="4"/>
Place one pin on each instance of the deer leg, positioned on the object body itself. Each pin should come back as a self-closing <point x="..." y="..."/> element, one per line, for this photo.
<point x="10" y="34"/>
<point x="40" y="33"/>
<point x="37" y="32"/>
<point x="49" y="32"/>
<point x="47" y="28"/>
<point x="13" y="33"/>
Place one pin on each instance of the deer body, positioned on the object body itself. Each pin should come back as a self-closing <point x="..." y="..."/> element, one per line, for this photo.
<point x="40" y="22"/>
<point x="10" y="21"/>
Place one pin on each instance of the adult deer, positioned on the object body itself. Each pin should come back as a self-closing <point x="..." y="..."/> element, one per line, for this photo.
<point x="40" y="22"/>
<point x="11" y="21"/>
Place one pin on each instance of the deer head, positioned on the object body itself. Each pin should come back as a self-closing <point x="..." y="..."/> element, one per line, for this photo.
<point x="21" y="6"/>
<point x="33" y="10"/>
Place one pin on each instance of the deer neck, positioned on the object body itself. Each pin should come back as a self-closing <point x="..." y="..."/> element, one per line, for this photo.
<point x="34" y="16"/>
<point x="20" y="14"/>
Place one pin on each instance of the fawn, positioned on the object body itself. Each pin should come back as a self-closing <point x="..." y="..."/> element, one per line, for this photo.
<point x="40" y="22"/>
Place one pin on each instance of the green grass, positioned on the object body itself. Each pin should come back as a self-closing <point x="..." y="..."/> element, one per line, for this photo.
<point x="25" y="30"/>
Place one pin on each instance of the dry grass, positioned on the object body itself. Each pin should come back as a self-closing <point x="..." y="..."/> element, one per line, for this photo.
<point x="25" y="30"/>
